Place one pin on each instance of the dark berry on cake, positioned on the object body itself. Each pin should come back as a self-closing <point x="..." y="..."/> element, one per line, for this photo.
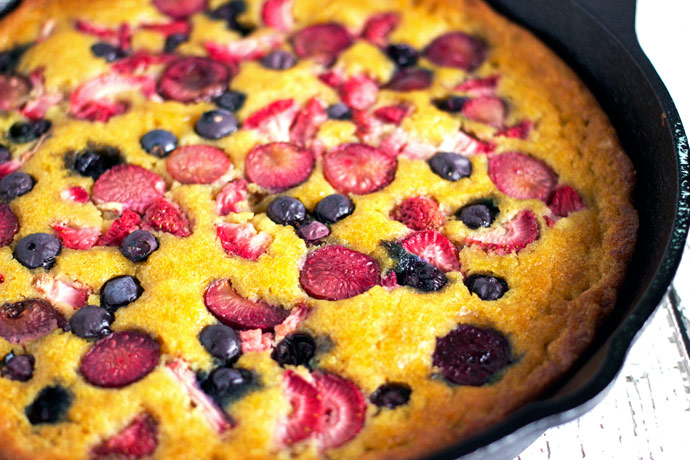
<point x="511" y="236"/>
<point x="221" y="342"/>
<point x="231" y="100"/>
<point x="343" y="410"/>
<point x="28" y="320"/>
<point x="180" y="9"/>
<point x="49" y="406"/>
<point x="38" y="250"/>
<point x="333" y="208"/>
<point x="107" y="51"/>
<point x="391" y="395"/>
<point x="402" y="54"/>
<point x="216" y="124"/>
<point x="279" y="60"/>
<point x="411" y="270"/>
<point x="194" y="79"/>
<point x="339" y="111"/>
<point x="457" y="49"/>
<point x="94" y="161"/>
<point x="15" y="91"/>
<point x="451" y="104"/>
<point x="296" y="349"/>
<point x="9" y="225"/>
<point x="480" y="214"/>
<point x="225" y="383"/>
<point x="286" y="210"/>
<point x="450" y="166"/>
<point x="172" y="41"/>
<point x="10" y="58"/>
<point x="433" y="248"/>
<point x="198" y="164"/>
<point x="91" y="322"/>
<point x="237" y="312"/>
<point x="120" y="291"/>
<point x="17" y="367"/>
<point x="15" y="185"/>
<point x="27" y="131"/>
<point x="278" y="166"/>
<point x="158" y="142"/>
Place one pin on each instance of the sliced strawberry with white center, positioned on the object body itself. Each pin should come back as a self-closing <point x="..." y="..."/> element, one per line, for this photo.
<point x="307" y="123"/>
<point x="274" y="120"/>
<point x="434" y="248"/>
<point x="479" y="86"/>
<point x="467" y="145"/>
<point x="359" y="92"/>
<point x="14" y="92"/>
<point x="127" y="186"/>
<point x="565" y="200"/>
<point x="198" y="164"/>
<point x="9" y="225"/>
<point x="194" y="79"/>
<point x="180" y="9"/>
<point x="378" y="27"/>
<point x="419" y="213"/>
<point x="278" y="14"/>
<point x="343" y="410"/>
<point x="249" y="48"/>
<point x="120" y="228"/>
<point x="303" y="420"/>
<point x="75" y="194"/>
<point x="233" y="198"/>
<point x="520" y="130"/>
<point x="237" y="312"/>
<point x="321" y="42"/>
<point x="242" y="240"/>
<point x="256" y="341"/>
<point x="169" y="28"/>
<point x="164" y="216"/>
<point x="487" y="109"/>
<point x="358" y="168"/>
<point x="391" y="113"/>
<point x="369" y="128"/>
<point x="522" y="176"/>
<point x="512" y="236"/>
<point x="297" y="315"/>
<point x="137" y="440"/>
<point x="278" y="166"/>
<point x="95" y="99"/>
<point x="62" y="294"/>
<point x="77" y="237"/>
<point x="214" y="415"/>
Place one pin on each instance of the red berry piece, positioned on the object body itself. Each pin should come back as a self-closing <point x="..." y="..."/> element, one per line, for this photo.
<point x="14" y="92"/>
<point x="518" y="131"/>
<point x="471" y="355"/>
<point x="242" y="240"/>
<point x="77" y="238"/>
<point x="120" y="37"/>
<point x="336" y="272"/>
<point x="358" y="168"/>
<point x="198" y="164"/>
<point x="343" y="410"/>
<point x="457" y="49"/>
<point x="479" y="86"/>
<point x="378" y="27"/>
<point x="169" y="28"/>
<point x="237" y="312"/>
<point x="120" y="228"/>
<point x="565" y="200"/>
<point x="141" y="61"/>
<point x="297" y="315"/>
<point x="165" y="216"/>
<point x="256" y="341"/>
<point x="96" y="99"/>
<point x="412" y="79"/>
<point x="522" y="230"/>
<point x="75" y="194"/>
<point x="279" y="166"/>
<point x="180" y="9"/>
<point x="274" y="120"/>
<point x="303" y="420"/>
<point x="419" y="213"/>
<point x="278" y="14"/>
<point x="245" y="49"/>
<point x="321" y="42"/>
<point x="128" y="187"/>
<point x="234" y="197"/>
<point x="332" y="78"/>
<point x="120" y="359"/>
<point x="359" y="92"/>
<point x="137" y="440"/>
<point x="8" y="167"/>
<point x="194" y="79"/>
<point x="488" y="110"/>
<point x="465" y="144"/>
<point x="9" y="225"/>
<point x="70" y="293"/>
<point x="307" y="123"/>
<point x="434" y="248"/>
<point x="391" y="113"/>
<point x="28" y="320"/>
<point x="390" y="280"/>
<point x="522" y="176"/>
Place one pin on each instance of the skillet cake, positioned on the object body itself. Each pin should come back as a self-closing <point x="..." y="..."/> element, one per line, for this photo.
<point x="292" y="228"/>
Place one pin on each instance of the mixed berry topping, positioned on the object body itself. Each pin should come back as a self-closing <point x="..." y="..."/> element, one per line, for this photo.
<point x="410" y="79"/>
<point x="339" y="111"/>
<point x="17" y="367"/>
<point x="225" y="383"/>
<point x="28" y="320"/>
<point x="296" y="349"/>
<point x="333" y="208"/>
<point x="127" y="186"/>
<point x="391" y="395"/>
<point x="198" y="164"/>
<point x="419" y="213"/>
<point x="94" y="161"/>
<point x="49" y="406"/>
<point x="402" y="54"/>
<point x="159" y="143"/>
<point x="279" y="60"/>
<point x="279" y="166"/>
<point x="286" y="210"/>
<point x="137" y="440"/>
<point x="15" y="185"/>
<point x="358" y="169"/>
<point x="521" y="176"/>
<point x="23" y="132"/>
<point x="411" y="270"/>
<point x="91" y="322"/>
<point x="476" y="215"/>
<point x="321" y="42"/>
<point x="486" y="287"/>
<point x="139" y="245"/>
<point x="457" y="49"/>
<point x="237" y="312"/>
<point x="216" y="124"/>
<point x="231" y="100"/>
<point x="119" y="292"/>
<point x="107" y="51"/>
<point x="450" y="166"/>
<point x="221" y="342"/>
<point x="9" y="225"/>
<point x="38" y="250"/>
<point x="194" y="79"/>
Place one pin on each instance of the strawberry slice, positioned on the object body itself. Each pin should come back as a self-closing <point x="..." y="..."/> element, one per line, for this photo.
<point x="321" y="42"/>
<point x="137" y="440"/>
<point x="303" y="420"/>
<point x="487" y="109"/>
<point x="194" y="79"/>
<point x="75" y="194"/>
<point x="378" y="27"/>
<point x="278" y="166"/>
<point x="41" y="100"/>
<point x="467" y="145"/>
<point x="358" y="168"/>
<point x="520" y="231"/>
<point x="256" y="341"/>
<point x="336" y="272"/>
<point x="343" y="410"/>
<point x="127" y="186"/>
<point x="28" y="320"/>
<point x="297" y="315"/>
<point x="237" y="312"/>
<point x="214" y="415"/>
<point x="332" y="78"/>
<point x="479" y="86"/>
<point x="307" y="123"/>
<point x="359" y="92"/>
<point x="198" y="164"/>
<point x="180" y="9"/>
<point x="242" y="240"/>
<point x="9" y="167"/>
<point x="411" y="79"/>
<point x="434" y="248"/>
<point x="9" y="225"/>
<point x="93" y="100"/>
<point x="249" y="48"/>
<point x="120" y="228"/>
<point x="522" y="176"/>
<point x="391" y="113"/>
<point x="278" y="14"/>
<point x="120" y="359"/>
<point x="62" y="293"/>
<point x="457" y="49"/>
<point x="165" y="216"/>
<point x="419" y="213"/>
<point x="233" y="198"/>
<point x="141" y="61"/>
<point x="14" y="92"/>
<point x="390" y="280"/>
<point x="274" y="120"/>
<point x="77" y="237"/>
<point x="518" y="131"/>
<point x="120" y="37"/>
<point x="169" y="28"/>
<point x="565" y="200"/>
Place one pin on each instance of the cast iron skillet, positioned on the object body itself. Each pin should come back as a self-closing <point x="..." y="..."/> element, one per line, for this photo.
<point x="597" y="38"/>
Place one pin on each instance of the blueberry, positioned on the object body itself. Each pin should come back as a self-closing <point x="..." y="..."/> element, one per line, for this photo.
<point x="231" y="100"/>
<point x="120" y="291"/>
<point x="15" y="184"/>
<point x="295" y="349"/>
<point x="28" y="131"/>
<point x="91" y="322"/>
<point x="486" y="287"/>
<point x="221" y="342"/>
<point x="450" y="166"/>
<point x="50" y="406"/>
<point x="339" y="111"/>
<point x="158" y="142"/>
<point x="313" y="231"/>
<point x="477" y="215"/>
<point x="224" y="381"/>
<point x="38" y="250"/>
<point x="411" y="270"/>
<point x="216" y="124"/>
<point x="391" y="395"/>
<point x="333" y="208"/>
<point x="5" y="154"/>
<point x="10" y="58"/>
<point x="286" y="210"/>
<point x="93" y="161"/>
<point x="173" y="41"/>
<point x="139" y="245"/>
<point x="107" y="51"/>
<point x="18" y="367"/>
<point x="403" y="55"/>
<point x="229" y="12"/>
<point x="279" y="60"/>
<point x="450" y="104"/>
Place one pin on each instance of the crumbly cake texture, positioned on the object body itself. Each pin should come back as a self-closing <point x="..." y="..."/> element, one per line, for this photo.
<point x="561" y="282"/>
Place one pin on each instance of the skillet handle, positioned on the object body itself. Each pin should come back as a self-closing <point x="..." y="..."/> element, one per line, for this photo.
<point x="618" y="16"/>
